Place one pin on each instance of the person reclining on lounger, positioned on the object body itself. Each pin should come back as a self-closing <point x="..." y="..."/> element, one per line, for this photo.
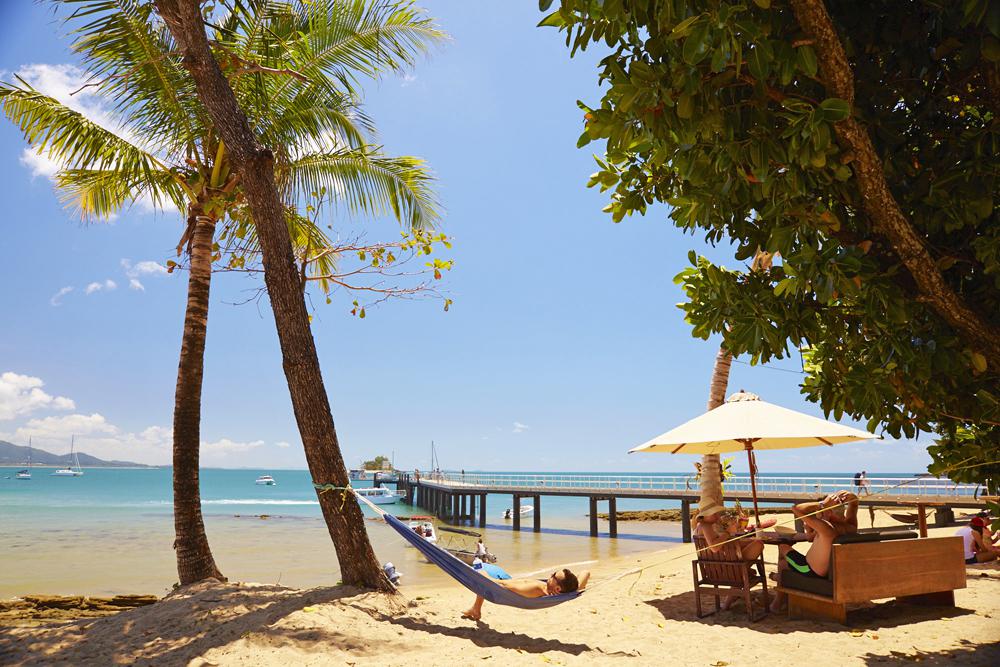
<point x="825" y="521"/>
<point x="560" y="581"/>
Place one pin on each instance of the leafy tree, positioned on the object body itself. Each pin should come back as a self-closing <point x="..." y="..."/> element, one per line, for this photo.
<point x="168" y="148"/>
<point x="376" y="463"/>
<point x="857" y="141"/>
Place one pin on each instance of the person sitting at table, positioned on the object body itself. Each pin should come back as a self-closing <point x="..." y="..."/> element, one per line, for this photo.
<point x="825" y="521"/>
<point x="978" y="542"/>
<point x="717" y="525"/>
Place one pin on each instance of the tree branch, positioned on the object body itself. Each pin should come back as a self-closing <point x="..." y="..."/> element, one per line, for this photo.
<point x="878" y="202"/>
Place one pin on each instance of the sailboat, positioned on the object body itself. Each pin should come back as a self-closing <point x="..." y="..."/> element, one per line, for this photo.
<point x="26" y="473"/>
<point x="71" y="471"/>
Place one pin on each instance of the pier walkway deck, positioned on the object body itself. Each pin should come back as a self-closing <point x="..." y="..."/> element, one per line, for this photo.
<point x="460" y="497"/>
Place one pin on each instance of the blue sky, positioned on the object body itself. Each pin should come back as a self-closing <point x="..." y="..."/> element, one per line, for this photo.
<point x="563" y="348"/>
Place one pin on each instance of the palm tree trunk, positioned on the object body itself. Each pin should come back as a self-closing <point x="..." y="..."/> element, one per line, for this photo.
<point x="711" y="468"/>
<point x="255" y="165"/>
<point x="710" y="485"/>
<point x="194" y="556"/>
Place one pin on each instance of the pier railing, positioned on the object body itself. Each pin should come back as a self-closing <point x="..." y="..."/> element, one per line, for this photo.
<point x="897" y="486"/>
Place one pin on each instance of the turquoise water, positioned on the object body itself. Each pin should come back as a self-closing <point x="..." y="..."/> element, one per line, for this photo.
<point x="111" y="531"/>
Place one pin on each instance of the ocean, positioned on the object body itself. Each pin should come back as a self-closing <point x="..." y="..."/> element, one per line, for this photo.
<point x="111" y="530"/>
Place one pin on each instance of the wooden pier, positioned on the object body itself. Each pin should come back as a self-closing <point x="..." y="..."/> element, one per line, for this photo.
<point x="459" y="498"/>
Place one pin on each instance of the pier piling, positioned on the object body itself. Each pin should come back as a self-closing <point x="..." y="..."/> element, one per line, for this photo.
<point x="482" y="510"/>
<point x="593" y="516"/>
<point x="686" y="520"/>
<point x="613" y="516"/>
<point x="538" y="514"/>
<point x="517" y="512"/>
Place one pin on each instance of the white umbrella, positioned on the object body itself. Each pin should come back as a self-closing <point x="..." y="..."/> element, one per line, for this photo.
<point x="744" y="422"/>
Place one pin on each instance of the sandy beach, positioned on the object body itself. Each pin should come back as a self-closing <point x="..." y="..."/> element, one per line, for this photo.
<point x="645" y="617"/>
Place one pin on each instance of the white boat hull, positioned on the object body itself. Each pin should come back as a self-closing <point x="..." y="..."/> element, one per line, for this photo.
<point x="66" y="473"/>
<point x="381" y="500"/>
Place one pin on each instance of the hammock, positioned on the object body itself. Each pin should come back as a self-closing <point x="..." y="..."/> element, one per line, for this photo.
<point x="465" y="575"/>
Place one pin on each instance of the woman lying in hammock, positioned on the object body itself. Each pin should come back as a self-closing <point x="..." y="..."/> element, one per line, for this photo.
<point x="561" y="581"/>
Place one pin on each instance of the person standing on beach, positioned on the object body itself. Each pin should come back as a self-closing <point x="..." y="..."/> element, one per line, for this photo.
<point x="560" y="581"/>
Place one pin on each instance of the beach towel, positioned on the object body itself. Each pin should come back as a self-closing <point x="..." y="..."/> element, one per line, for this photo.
<point x="475" y="582"/>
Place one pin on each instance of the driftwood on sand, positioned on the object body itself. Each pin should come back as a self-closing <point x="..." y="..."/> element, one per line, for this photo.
<point x="34" y="609"/>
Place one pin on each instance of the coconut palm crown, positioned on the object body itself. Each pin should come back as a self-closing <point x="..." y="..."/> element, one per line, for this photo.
<point x="295" y="68"/>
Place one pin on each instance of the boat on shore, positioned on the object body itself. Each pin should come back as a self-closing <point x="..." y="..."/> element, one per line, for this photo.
<point x="73" y="470"/>
<point x="379" y="495"/>
<point x="265" y="480"/>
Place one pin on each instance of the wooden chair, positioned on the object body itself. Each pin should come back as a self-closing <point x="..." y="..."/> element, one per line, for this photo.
<point x="725" y="573"/>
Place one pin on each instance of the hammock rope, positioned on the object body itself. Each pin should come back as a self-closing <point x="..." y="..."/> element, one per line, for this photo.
<point x="490" y="590"/>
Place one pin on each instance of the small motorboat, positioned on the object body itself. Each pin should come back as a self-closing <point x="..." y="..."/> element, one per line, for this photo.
<point x="265" y="480"/>
<point x="379" y="495"/>
<point x="467" y="556"/>
<point x="425" y="529"/>
<point x="525" y="509"/>
<point x="23" y="474"/>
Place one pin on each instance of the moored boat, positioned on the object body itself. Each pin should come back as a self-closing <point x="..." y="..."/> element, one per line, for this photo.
<point x="265" y="480"/>
<point x="379" y="495"/>
<point x="74" y="470"/>
<point x="525" y="510"/>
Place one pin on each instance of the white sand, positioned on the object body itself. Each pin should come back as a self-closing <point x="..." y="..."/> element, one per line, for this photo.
<point x="640" y="619"/>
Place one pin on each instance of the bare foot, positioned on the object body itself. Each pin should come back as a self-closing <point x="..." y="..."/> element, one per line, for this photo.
<point x="471" y="615"/>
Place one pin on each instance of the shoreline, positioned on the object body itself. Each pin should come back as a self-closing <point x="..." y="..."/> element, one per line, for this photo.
<point x="637" y="606"/>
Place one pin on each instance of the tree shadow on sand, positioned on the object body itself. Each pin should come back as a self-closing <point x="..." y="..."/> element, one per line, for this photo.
<point x="968" y="654"/>
<point x="185" y="625"/>
<point x="482" y="635"/>
<point x="873" y="616"/>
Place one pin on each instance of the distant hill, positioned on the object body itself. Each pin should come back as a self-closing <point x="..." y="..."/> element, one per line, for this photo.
<point x="15" y="455"/>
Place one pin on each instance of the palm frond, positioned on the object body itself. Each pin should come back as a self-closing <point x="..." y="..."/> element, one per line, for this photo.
<point x="95" y="193"/>
<point x="367" y="182"/>
<point x="131" y="58"/>
<point x="69" y="137"/>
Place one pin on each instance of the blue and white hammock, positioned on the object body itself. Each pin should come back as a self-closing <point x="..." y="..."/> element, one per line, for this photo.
<point x="464" y="574"/>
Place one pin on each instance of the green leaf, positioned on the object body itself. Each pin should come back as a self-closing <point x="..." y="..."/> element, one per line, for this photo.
<point x="553" y="20"/>
<point x="685" y="106"/>
<point x="543" y="5"/>
<point x="835" y="109"/>
<point x="763" y="4"/>
<point x="695" y="49"/>
<point x="978" y="362"/>
<point x="807" y="60"/>
<point x="759" y="60"/>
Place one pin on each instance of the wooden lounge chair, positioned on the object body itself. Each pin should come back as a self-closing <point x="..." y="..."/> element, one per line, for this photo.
<point x="725" y="573"/>
<point x="922" y="571"/>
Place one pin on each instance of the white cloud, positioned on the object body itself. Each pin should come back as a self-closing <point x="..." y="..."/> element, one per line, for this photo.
<point x="56" y="299"/>
<point x="39" y="164"/>
<point x="283" y="445"/>
<point x="22" y="394"/>
<point x="96" y="436"/>
<point x="519" y="427"/>
<point x="146" y="267"/>
<point x="408" y="79"/>
<point x="108" y="285"/>
<point x="221" y="449"/>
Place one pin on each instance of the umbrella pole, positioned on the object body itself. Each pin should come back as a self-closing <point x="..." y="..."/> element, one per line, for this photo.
<point x="753" y="480"/>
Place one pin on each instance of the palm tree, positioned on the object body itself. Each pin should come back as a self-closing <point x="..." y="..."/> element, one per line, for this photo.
<point x="710" y="477"/>
<point x="295" y="67"/>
